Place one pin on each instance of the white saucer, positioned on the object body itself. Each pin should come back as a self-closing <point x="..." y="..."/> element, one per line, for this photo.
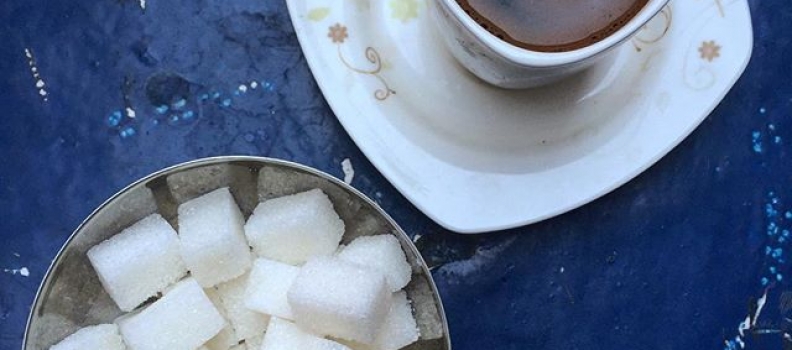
<point x="476" y="158"/>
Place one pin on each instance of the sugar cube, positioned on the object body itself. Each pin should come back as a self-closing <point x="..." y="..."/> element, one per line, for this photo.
<point x="284" y="335"/>
<point x="294" y="228"/>
<point x="138" y="262"/>
<point x="212" y="239"/>
<point x="183" y="319"/>
<point x="245" y="322"/>
<point x="341" y="299"/>
<point x="381" y="252"/>
<point x="226" y="338"/>
<point x="399" y="329"/>
<point x="267" y="287"/>
<point x="103" y="336"/>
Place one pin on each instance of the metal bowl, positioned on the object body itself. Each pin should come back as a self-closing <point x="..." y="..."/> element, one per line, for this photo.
<point x="71" y="297"/>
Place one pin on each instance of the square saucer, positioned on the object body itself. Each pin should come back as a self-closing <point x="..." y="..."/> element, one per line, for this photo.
<point x="476" y="158"/>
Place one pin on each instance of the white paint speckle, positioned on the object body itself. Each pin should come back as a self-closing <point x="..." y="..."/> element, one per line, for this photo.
<point x="39" y="82"/>
<point x="744" y="326"/>
<point x="16" y="254"/>
<point x="349" y="171"/>
<point x="130" y="112"/>
<point x="143" y="4"/>
<point x="561" y="270"/>
<point x="416" y="237"/>
<point x="23" y="271"/>
<point x="253" y="85"/>
<point x="243" y="88"/>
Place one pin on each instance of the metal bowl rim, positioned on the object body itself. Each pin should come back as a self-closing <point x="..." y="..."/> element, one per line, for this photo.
<point x="229" y="159"/>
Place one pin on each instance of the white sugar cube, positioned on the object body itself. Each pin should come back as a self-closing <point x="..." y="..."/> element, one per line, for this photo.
<point x="212" y="239"/>
<point x="382" y="252"/>
<point x="226" y="338"/>
<point x="183" y="319"/>
<point x="399" y="329"/>
<point x="284" y="335"/>
<point x="103" y="336"/>
<point x="341" y="299"/>
<point x="294" y="228"/>
<point x="267" y="287"/>
<point x="138" y="262"/>
<point x="245" y="322"/>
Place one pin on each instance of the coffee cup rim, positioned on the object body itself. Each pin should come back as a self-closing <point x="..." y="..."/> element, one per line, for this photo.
<point x="525" y="57"/>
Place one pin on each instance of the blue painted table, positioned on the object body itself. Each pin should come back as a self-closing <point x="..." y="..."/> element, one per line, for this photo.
<point x="95" y="94"/>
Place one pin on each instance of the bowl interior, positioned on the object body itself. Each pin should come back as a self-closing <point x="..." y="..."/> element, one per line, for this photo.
<point x="71" y="297"/>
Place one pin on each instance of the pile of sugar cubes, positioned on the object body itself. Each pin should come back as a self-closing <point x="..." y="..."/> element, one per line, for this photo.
<point x="278" y="281"/>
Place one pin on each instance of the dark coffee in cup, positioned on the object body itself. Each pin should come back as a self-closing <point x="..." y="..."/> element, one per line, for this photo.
<point x="552" y="25"/>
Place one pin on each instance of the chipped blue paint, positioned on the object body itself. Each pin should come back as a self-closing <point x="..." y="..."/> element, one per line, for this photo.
<point x="179" y="104"/>
<point x="179" y="115"/>
<point x="127" y="132"/>
<point x="114" y="119"/>
<point x="756" y="138"/>
<point x="269" y="86"/>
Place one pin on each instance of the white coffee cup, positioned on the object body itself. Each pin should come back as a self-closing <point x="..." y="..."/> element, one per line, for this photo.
<point x="505" y="65"/>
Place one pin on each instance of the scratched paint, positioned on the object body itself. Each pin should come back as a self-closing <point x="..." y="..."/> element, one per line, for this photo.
<point x="22" y="271"/>
<point x="457" y="271"/>
<point x="182" y="111"/>
<point x="40" y="85"/>
<point x="777" y="230"/>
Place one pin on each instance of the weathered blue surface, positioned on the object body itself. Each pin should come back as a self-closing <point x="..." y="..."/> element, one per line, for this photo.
<point x="675" y="259"/>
